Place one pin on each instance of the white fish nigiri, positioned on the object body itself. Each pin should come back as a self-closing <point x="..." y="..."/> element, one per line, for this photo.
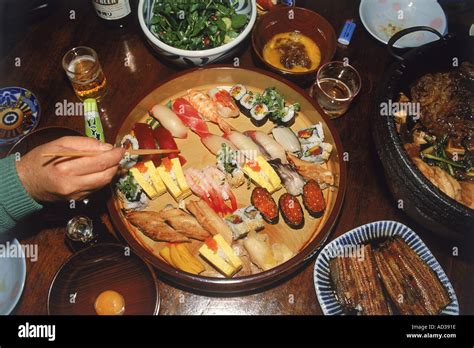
<point x="169" y="120"/>
<point x="268" y="144"/>
<point x="244" y="144"/>
<point x="214" y="143"/>
<point x="286" y="138"/>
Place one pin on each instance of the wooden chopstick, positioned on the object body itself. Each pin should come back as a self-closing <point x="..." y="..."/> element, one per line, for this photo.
<point x="139" y="152"/>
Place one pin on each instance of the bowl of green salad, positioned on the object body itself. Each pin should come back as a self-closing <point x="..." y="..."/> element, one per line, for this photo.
<point x="196" y="32"/>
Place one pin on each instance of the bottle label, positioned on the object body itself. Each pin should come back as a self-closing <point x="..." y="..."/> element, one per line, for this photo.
<point x="112" y="9"/>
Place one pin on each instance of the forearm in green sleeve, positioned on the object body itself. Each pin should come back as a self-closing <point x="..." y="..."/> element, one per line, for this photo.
<point x="15" y="202"/>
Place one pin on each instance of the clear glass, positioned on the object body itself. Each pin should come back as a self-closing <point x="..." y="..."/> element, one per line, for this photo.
<point x="336" y="86"/>
<point x="83" y="68"/>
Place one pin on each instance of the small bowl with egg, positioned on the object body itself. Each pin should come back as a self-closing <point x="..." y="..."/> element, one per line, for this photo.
<point x="293" y="42"/>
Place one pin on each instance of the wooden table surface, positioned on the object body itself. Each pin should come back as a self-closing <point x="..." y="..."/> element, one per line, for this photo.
<point x="41" y="46"/>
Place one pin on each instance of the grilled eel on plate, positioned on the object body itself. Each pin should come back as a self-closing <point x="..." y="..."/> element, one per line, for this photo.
<point x="358" y="287"/>
<point x="411" y="284"/>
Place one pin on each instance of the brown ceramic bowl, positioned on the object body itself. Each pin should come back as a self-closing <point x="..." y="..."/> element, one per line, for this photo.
<point x="307" y="22"/>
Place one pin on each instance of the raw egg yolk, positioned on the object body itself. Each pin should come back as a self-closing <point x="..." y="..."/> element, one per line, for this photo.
<point x="109" y="303"/>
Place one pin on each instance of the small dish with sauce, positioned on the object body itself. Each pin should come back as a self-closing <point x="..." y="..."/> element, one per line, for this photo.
<point x="293" y="42"/>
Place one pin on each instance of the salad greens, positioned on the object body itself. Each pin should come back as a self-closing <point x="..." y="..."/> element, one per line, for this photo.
<point x="196" y="24"/>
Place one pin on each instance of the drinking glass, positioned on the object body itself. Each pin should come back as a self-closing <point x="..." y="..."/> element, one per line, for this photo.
<point x="336" y="86"/>
<point x="83" y="68"/>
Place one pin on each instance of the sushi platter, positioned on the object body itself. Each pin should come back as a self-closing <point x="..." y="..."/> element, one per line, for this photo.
<point x="253" y="192"/>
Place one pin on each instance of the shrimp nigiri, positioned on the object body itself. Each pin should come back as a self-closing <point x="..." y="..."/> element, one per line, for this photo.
<point x="207" y="108"/>
<point x="225" y="104"/>
<point x="218" y="182"/>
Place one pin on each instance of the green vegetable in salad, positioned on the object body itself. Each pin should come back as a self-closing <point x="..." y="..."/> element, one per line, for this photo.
<point x="196" y="24"/>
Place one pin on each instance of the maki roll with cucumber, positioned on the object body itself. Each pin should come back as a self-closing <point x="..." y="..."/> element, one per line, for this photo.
<point x="246" y="103"/>
<point x="291" y="211"/>
<point x="237" y="92"/>
<point x="258" y="114"/>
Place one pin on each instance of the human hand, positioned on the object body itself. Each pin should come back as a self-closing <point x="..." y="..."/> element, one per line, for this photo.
<point x="55" y="179"/>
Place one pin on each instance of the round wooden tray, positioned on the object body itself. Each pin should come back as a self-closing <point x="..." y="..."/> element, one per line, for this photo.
<point x="304" y="242"/>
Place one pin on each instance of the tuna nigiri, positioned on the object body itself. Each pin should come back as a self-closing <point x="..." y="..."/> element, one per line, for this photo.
<point x="165" y="141"/>
<point x="225" y="104"/>
<point x="244" y="144"/>
<point x="214" y="143"/>
<point x="189" y="116"/>
<point x="169" y="120"/>
<point x="144" y="134"/>
<point x="268" y="145"/>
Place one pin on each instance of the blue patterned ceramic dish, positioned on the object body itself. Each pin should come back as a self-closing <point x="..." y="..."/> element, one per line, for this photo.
<point x="361" y="235"/>
<point x="196" y="58"/>
<point x="19" y="114"/>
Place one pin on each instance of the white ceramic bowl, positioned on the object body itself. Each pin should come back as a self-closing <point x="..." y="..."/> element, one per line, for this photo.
<point x="12" y="276"/>
<point x="382" y="18"/>
<point x="202" y="57"/>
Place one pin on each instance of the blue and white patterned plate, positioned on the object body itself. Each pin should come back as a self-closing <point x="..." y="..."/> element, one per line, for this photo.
<point x="361" y="235"/>
<point x="19" y="114"/>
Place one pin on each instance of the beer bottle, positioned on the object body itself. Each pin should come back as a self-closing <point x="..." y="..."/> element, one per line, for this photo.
<point x="116" y="13"/>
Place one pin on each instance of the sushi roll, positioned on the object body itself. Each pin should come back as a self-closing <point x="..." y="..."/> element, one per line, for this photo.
<point x="131" y="194"/>
<point x="258" y="114"/>
<point x="252" y="218"/>
<point x="244" y="220"/>
<point x="288" y="116"/>
<point x="237" y="225"/>
<point x="291" y="211"/>
<point x="246" y="103"/>
<point x="129" y="142"/>
<point x="237" y="92"/>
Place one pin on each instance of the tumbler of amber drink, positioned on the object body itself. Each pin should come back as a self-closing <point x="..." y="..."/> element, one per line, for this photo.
<point x="85" y="73"/>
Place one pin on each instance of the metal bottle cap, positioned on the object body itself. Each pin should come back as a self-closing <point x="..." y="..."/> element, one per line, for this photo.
<point x="80" y="229"/>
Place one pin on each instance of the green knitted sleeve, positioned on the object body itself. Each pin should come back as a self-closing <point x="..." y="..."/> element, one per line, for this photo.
<point x="15" y="202"/>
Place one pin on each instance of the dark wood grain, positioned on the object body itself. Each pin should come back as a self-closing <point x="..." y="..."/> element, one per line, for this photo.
<point x="41" y="48"/>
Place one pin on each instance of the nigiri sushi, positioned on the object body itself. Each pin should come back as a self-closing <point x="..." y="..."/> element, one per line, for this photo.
<point x="214" y="143"/>
<point x="226" y="106"/>
<point x="292" y="181"/>
<point x="169" y="120"/>
<point x="189" y="116"/>
<point x="207" y="108"/>
<point x="245" y="144"/>
<point x="269" y="146"/>
<point x="286" y="138"/>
